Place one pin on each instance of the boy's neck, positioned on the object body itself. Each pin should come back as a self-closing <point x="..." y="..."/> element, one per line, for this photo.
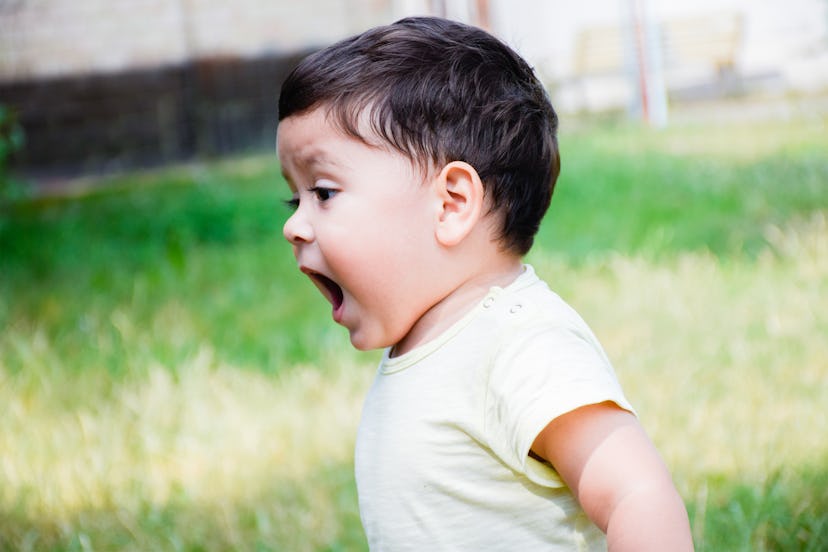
<point x="469" y="290"/>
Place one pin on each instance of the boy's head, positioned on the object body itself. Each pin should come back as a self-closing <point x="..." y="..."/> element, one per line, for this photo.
<point x="439" y="91"/>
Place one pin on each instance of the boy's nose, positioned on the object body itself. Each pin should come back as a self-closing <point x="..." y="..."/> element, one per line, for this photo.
<point x="297" y="229"/>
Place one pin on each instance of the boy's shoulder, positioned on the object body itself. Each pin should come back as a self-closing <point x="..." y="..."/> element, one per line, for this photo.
<point x="530" y="302"/>
<point x="528" y="320"/>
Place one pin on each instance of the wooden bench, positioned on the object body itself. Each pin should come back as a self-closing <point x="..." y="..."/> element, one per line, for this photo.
<point x="711" y="40"/>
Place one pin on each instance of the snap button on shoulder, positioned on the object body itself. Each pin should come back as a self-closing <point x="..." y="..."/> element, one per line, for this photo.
<point x="515" y="308"/>
<point x="488" y="302"/>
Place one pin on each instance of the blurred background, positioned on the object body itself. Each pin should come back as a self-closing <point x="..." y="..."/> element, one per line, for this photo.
<point x="107" y="85"/>
<point x="169" y="381"/>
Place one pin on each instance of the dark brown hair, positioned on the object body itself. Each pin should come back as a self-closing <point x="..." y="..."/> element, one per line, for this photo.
<point x="441" y="91"/>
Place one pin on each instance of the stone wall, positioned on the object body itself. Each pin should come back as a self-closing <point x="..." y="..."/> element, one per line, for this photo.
<point x="114" y="121"/>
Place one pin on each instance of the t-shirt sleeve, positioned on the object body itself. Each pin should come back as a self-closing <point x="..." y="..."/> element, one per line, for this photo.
<point x="538" y="375"/>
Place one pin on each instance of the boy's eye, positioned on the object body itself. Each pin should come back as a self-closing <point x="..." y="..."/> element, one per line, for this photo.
<point x="323" y="194"/>
<point x="292" y="203"/>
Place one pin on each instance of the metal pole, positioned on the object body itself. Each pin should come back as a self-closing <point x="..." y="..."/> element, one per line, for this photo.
<point x="652" y="94"/>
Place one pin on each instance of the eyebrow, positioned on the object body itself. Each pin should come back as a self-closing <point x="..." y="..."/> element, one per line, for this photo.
<point x="318" y="157"/>
<point x="315" y="156"/>
<point x="301" y="160"/>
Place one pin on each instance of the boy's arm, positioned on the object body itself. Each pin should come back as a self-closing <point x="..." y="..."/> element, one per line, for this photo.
<point x="615" y="472"/>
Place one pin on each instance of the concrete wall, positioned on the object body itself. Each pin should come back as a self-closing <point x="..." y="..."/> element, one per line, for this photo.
<point x="103" y="85"/>
<point x="110" y="84"/>
<point x="49" y="38"/>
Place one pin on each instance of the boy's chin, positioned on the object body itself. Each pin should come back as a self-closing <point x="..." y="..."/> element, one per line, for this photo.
<point x="361" y="345"/>
<point x="363" y="342"/>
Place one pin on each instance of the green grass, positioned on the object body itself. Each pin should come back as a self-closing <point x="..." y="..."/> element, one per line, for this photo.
<point x="689" y="188"/>
<point x="169" y="381"/>
<point x="204" y="244"/>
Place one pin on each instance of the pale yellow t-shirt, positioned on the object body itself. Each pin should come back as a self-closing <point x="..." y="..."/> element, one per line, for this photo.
<point x="442" y="454"/>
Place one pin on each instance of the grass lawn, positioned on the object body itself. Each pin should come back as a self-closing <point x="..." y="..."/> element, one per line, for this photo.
<point x="169" y="381"/>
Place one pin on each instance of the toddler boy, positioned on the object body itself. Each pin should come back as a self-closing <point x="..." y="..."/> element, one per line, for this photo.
<point x="422" y="157"/>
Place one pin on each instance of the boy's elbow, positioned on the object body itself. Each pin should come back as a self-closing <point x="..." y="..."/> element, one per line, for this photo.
<point x="650" y="516"/>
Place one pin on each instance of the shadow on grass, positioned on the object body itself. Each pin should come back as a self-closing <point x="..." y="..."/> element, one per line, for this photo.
<point x="319" y="513"/>
<point x="788" y="511"/>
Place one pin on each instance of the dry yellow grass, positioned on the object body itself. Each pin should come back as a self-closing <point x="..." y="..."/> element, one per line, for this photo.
<point x="725" y="141"/>
<point x="726" y="360"/>
<point x="219" y="438"/>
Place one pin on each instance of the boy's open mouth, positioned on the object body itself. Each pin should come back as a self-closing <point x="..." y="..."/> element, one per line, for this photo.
<point x="328" y="287"/>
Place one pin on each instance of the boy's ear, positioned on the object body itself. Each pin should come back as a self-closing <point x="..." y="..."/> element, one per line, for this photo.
<point x="460" y="192"/>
